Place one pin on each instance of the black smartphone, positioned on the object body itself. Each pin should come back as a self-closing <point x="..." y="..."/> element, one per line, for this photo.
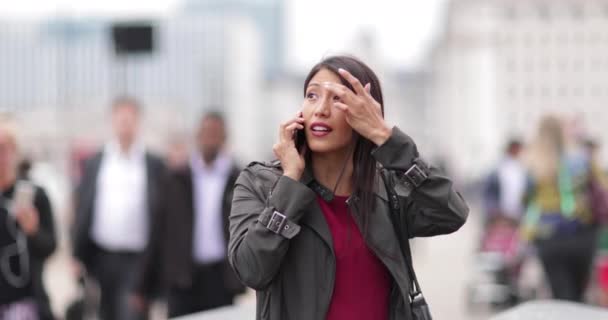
<point x="300" y="139"/>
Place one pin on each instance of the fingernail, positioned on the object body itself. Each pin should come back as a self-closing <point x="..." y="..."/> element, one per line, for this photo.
<point x="341" y="70"/>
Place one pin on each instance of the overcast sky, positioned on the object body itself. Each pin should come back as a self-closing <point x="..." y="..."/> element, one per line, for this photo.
<point x="403" y="28"/>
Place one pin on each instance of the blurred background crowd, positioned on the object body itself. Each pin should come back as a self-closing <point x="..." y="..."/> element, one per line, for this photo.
<point x="174" y="96"/>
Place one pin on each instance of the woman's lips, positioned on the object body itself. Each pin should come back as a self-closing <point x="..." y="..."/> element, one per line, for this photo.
<point x="319" y="129"/>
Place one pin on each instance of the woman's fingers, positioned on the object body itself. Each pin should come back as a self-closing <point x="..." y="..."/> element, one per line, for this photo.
<point x="341" y="91"/>
<point x="288" y="131"/>
<point x="341" y="106"/>
<point x="353" y="81"/>
<point x="298" y="119"/>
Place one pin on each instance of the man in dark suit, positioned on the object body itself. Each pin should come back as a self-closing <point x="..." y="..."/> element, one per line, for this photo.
<point x="115" y="199"/>
<point x="187" y="254"/>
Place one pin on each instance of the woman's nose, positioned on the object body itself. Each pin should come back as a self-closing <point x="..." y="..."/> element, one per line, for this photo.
<point x="323" y="108"/>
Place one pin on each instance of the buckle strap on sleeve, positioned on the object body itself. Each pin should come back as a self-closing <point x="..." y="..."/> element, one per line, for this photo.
<point x="278" y="223"/>
<point x="416" y="174"/>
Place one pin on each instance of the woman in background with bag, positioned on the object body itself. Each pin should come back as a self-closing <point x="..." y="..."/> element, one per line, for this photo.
<point x="560" y="220"/>
<point x="322" y="233"/>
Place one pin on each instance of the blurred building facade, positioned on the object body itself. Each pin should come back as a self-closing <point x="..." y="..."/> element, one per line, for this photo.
<point x="267" y="17"/>
<point x="501" y="64"/>
<point x="60" y="75"/>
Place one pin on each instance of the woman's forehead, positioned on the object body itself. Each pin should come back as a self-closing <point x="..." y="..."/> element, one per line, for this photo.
<point x="324" y="75"/>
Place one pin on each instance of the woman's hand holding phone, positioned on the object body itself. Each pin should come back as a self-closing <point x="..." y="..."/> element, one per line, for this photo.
<point x="292" y="159"/>
<point x="28" y="219"/>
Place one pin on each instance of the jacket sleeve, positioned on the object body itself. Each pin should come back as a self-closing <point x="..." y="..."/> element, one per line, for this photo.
<point x="43" y="243"/>
<point x="255" y="252"/>
<point x="434" y="207"/>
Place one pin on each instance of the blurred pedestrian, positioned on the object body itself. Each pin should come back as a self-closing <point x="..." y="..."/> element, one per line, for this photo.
<point x="559" y="219"/>
<point x="187" y="253"/>
<point x="27" y="237"/>
<point x="503" y="197"/>
<point x="312" y="232"/>
<point x="115" y="199"/>
<point x="505" y="187"/>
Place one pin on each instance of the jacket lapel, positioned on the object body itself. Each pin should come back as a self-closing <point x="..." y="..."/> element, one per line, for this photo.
<point x="90" y="190"/>
<point x="151" y="184"/>
<point x="382" y="238"/>
<point x="314" y="219"/>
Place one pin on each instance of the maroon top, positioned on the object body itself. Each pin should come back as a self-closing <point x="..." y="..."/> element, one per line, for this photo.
<point x="362" y="286"/>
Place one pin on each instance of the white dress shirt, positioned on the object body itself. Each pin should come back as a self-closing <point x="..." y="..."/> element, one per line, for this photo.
<point x="512" y="179"/>
<point x="120" y="218"/>
<point x="209" y="182"/>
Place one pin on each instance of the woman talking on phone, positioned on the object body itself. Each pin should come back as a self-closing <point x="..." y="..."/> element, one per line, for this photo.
<point x="27" y="237"/>
<point x="317" y="232"/>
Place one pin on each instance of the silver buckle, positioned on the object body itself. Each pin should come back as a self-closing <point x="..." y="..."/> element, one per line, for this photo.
<point x="416" y="175"/>
<point x="276" y="223"/>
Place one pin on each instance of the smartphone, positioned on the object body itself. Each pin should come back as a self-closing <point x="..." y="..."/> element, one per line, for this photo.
<point x="24" y="194"/>
<point x="300" y="139"/>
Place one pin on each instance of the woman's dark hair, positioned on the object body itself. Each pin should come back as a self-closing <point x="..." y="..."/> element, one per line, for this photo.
<point x="364" y="165"/>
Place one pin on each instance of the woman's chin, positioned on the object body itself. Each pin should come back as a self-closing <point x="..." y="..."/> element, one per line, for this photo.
<point x="323" y="147"/>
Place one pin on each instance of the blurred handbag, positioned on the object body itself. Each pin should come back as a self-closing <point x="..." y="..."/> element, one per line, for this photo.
<point x="418" y="306"/>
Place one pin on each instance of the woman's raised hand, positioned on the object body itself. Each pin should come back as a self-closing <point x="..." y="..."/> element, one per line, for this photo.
<point x="363" y="112"/>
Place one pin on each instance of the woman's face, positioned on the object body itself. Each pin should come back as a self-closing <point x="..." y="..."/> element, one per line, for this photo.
<point x="325" y="126"/>
<point x="8" y="153"/>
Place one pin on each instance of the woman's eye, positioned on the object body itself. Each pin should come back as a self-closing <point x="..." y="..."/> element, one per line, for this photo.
<point x="311" y="96"/>
<point x="336" y="99"/>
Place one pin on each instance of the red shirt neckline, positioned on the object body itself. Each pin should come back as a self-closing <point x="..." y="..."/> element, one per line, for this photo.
<point x="362" y="282"/>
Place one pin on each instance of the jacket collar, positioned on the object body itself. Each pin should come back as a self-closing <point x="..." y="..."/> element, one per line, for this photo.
<point x="327" y="194"/>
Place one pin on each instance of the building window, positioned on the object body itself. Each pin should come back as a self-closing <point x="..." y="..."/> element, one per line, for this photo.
<point x="545" y="92"/>
<point x="545" y="39"/>
<point x="578" y="38"/>
<point x="510" y="13"/>
<point x="528" y="40"/>
<point x="530" y="91"/>
<point x="594" y="38"/>
<point x="511" y="65"/>
<point x="543" y="12"/>
<point x="577" y="11"/>
<point x="512" y="93"/>
<point x="545" y="64"/>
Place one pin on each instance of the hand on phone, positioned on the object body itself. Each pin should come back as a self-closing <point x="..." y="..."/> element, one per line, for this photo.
<point x="299" y="139"/>
<point x="23" y="207"/>
<point x="24" y="194"/>
<point x="292" y="158"/>
<point x="28" y="219"/>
